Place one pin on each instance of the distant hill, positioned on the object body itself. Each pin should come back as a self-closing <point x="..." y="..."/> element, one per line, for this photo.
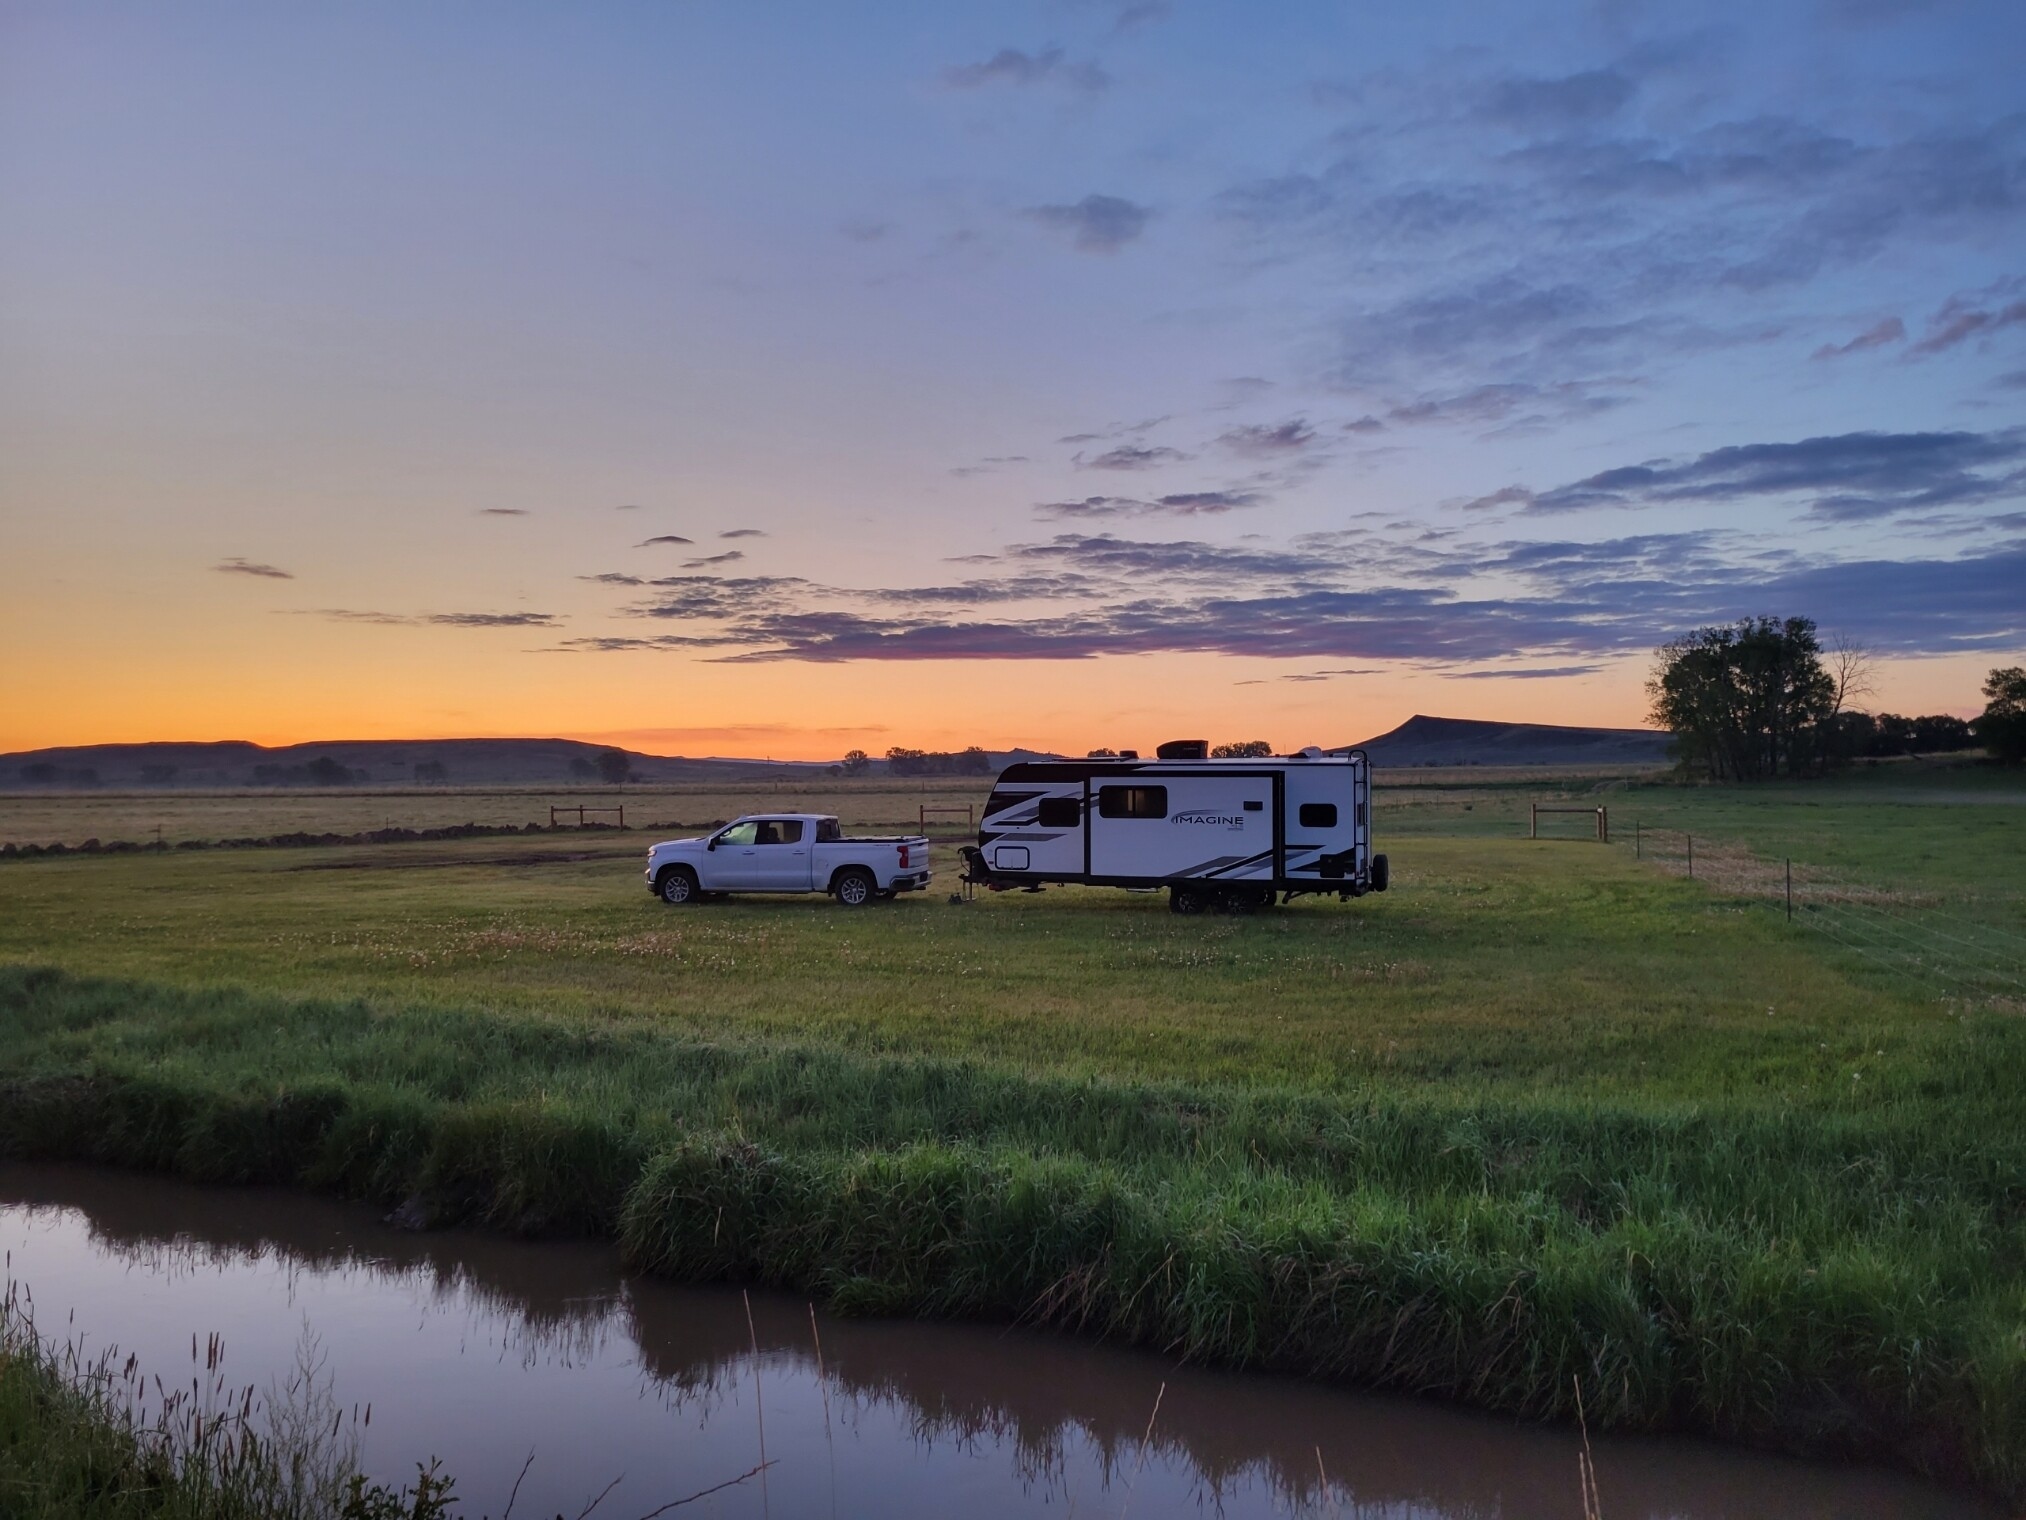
<point x="1423" y="740"/>
<point x="377" y="762"/>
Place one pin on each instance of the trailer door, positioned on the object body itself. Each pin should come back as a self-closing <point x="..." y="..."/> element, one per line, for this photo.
<point x="1155" y="826"/>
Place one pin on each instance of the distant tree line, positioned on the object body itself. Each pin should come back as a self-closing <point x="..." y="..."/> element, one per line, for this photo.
<point x="614" y="767"/>
<point x="971" y="761"/>
<point x="1764" y="698"/>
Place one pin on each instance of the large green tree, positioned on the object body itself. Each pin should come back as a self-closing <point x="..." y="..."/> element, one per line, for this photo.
<point x="1747" y="701"/>
<point x="2001" y="728"/>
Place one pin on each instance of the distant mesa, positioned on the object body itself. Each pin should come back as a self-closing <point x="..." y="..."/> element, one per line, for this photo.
<point x="1423" y="740"/>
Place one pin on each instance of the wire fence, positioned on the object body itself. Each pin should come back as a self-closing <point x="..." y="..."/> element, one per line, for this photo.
<point x="1945" y="941"/>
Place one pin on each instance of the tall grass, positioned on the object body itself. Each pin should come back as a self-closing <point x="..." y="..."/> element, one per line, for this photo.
<point x="79" y="1440"/>
<point x="1830" y="1278"/>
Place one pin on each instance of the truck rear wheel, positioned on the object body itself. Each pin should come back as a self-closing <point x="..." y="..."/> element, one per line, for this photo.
<point x="678" y="886"/>
<point x="854" y="888"/>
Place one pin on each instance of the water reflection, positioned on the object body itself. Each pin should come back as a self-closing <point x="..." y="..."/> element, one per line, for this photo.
<point x="480" y="1349"/>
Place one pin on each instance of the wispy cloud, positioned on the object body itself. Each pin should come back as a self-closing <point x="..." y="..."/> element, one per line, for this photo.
<point x="1973" y="316"/>
<point x="438" y="619"/>
<point x="743" y="533"/>
<point x="1847" y="477"/>
<point x="1177" y="504"/>
<point x="708" y="560"/>
<point x="237" y="566"/>
<point x="1523" y="673"/>
<point x="1891" y="330"/>
<point x="663" y="538"/>
<point x="1012" y="66"/>
<point x="502" y="512"/>
<point x="1268" y="441"/>
<point x="1095" y="224"/>
<point x="1130" y="456"/>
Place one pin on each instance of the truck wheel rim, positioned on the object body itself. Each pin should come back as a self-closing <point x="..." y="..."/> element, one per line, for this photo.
<point x="852" y="890"/>
<point x="676" y="888"/>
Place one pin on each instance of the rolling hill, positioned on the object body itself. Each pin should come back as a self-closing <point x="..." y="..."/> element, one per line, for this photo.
<point x="1424" y="740"/>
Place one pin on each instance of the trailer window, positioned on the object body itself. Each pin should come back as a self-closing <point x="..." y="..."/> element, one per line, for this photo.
<point x="1318" y="815"/>
<point x="1132" y="802"/>
<point x="1061" y="812"/>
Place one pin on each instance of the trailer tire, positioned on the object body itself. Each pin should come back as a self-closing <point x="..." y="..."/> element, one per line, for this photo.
<point x="1382" y="873"/>
<point x="854" y="888"/>
<point x="1187" y="897"/>
<point x="677" y="886"/>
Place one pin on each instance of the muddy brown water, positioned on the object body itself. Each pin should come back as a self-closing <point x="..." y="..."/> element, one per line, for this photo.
<point x="480" y="1350"/>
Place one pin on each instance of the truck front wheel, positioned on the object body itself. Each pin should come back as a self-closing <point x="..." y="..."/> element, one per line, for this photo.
<point x="678" y="886"/>
<point x="853" y="888"/>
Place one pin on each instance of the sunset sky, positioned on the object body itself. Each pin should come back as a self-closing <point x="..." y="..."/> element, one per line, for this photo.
<point x="770" y="380"/>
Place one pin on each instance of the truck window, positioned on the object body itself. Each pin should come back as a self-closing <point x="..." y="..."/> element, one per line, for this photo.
<point x="827" y="831"/>
<point x="1318" y="815"/>
<point x="1132" y="802"/>
<point x="738" y="834"/>
<point x="779" y="831"/>
<point x="1061" y="812"/>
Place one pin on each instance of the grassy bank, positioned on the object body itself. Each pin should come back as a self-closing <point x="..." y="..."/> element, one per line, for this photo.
<point x="75" y="1445"/>
<point x="1817" y="1280"/>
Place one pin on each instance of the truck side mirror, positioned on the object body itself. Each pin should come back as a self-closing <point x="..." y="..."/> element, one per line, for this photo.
<point x="711" y="843"/>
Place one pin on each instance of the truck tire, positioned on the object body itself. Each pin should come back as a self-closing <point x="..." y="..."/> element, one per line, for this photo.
<point x="853" y="888"/>
<point x="1187" y="897"/>
<point x="677" y="885"/>
<point x="1382" y="873"/>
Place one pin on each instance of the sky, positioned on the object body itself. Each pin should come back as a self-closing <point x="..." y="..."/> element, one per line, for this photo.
<point x="777" y="380"/>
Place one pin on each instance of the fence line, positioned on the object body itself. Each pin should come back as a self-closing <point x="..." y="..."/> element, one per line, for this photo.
<point x="1910" y="932"/>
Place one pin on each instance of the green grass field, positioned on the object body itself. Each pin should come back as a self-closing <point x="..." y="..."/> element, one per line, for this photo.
<point x="1543" y="1114"/>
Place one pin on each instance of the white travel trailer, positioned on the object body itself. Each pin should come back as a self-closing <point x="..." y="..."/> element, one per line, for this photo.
<point x="1215" y="833"/>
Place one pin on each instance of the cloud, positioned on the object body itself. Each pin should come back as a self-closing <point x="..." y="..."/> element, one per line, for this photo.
<point x="491" y="619"/>
<point x="1260" y="441"/>
<point x="438" y="619"/>
<point x="1178" y="504"/>
<point x="708" y="560"/>
<point x="613" y="578"/>
<point x="1130" y="456"/>
<point x="1096" y="224"/>
<point x="1528" y="673"/>
<point x="2014" y="381"/>
<point x="743" y="533"/>
<point x="1145" y="13"/>
<point x="238" y="566"/>
<point x="1504" y="496"/>
<point x="864" y="231"/>
<point x="1848" y="477"/>
<point x="1048" y="65"/>
<point x="1964" y="317"/>
<point x="1515" y="405"/>
<point x="1571" y="101"/>
<point x="502" y="512"/>
<point x="989" y="465"/>
<point x="1891" y="330"/>
<point x="664" y="538"/>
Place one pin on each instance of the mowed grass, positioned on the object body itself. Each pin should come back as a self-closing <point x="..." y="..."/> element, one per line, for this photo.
<point x="1541" y="1116"/>
<point x="1492" y="965"/>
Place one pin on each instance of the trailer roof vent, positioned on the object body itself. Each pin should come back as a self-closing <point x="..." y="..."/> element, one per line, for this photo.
<point x="1129" y="754"/>
<point x="1184" y="749"/>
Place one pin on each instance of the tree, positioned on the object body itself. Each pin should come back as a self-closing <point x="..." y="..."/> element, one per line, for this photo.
<point x="1747" y="702"/>
<point x="856" y="762"/>
<point x="974" y="761"/>
<point x="1244" y="749"/>
<point x="615" y="767"/>
<point x="2001" y="728"/>
<point x="1102" y="754"/>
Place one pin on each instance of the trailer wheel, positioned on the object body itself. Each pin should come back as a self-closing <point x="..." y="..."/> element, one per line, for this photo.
<point x="853" y="888"/>
<point x="678" y="885"/>
<point x="1187" y="897"/>
<point x="1382" y="873"/>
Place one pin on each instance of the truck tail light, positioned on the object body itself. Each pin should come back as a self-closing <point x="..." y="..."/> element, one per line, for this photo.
<point x="903" y="855"/>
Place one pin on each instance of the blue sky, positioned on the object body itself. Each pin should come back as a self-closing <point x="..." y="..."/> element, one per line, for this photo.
<point x="1149" y="359"/>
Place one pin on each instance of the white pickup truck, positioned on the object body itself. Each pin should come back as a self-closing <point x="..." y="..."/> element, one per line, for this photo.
<point x="787" y="852"/>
